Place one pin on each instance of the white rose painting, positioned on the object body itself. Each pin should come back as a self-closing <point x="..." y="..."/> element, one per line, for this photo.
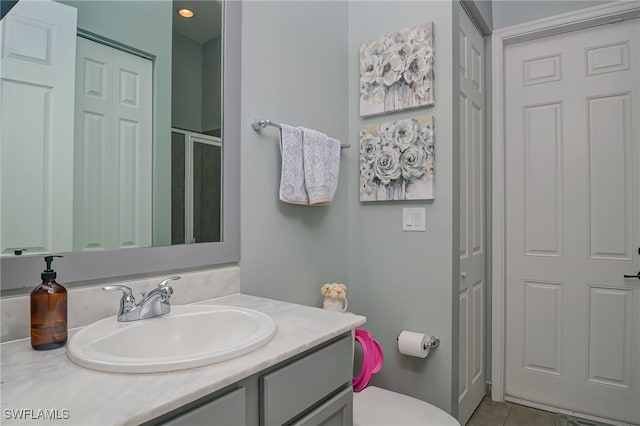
<point x="396" y="71"/>
<point x="397" y="160"/>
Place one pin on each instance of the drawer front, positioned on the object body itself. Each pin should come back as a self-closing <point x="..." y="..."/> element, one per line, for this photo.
<point x="298" y="386"/>
<point x="338" y="411"/>
<point x="228" y="410"/>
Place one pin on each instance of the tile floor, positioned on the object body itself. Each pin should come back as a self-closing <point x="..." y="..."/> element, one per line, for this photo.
<point x="491" y="413"/>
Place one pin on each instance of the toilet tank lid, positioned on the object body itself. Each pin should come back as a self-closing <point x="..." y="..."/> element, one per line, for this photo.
<point x="375" y="406"/>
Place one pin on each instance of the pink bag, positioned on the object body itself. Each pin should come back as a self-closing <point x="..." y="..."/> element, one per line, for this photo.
<point x="372" y="359"/>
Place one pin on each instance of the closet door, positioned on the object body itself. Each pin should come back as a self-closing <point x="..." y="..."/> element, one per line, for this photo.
<point x="36" y="119"/>
<point x="113" y="151"/>
<point x="573" y="221"/>
<point x="471" y="384"/>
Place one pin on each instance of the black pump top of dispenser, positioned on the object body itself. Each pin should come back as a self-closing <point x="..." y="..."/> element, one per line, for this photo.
<point x="49" y="274"/>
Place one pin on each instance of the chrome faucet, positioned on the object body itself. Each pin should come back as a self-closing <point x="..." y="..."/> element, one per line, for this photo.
<point x="155" y="303"/>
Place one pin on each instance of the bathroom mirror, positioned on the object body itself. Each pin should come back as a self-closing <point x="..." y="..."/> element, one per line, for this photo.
<point x="150" y="189"/>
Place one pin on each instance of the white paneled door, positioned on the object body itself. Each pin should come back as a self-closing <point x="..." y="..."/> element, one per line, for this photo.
<point x="471" y="382"/>
<point x="38" y="48"/>
<point x="573" y="221"/>
<point x="113" y="149"/>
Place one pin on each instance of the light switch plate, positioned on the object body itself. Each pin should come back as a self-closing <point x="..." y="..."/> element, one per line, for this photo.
<point x="413" y="219"/>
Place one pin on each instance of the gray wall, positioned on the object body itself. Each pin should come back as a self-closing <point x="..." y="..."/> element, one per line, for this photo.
<point x="294" y="70"/>
<point x="402" y="280"/>
<point x="398" y="280"/>
<point x="186" y="86"/>
<point x="99" y="17"/>
<point x="196" y="88"/>
<point x="211" y="85"/>
<point x="512" y="12"/>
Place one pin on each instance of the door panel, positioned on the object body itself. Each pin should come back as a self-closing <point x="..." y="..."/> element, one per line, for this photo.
<point x="543" y="191"/>
<point x="609" y="151"/>
<point x="610" y="340"/>
<point x="573" y="221"/>
<point x="471" y="386"/>
<point x="543" y="323"/>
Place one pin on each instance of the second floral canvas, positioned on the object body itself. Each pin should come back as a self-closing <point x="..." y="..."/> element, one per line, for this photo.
<point x="396" y="71"/>
<point x="397" y="160"/>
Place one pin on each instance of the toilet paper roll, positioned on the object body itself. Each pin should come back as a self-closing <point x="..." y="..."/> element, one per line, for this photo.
<point x="413" y="344"/>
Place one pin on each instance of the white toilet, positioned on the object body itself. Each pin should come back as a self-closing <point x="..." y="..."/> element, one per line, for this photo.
<point x="375" y="406"/>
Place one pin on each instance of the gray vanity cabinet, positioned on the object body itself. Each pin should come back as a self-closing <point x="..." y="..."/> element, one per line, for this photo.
<point x="307" y="390"/>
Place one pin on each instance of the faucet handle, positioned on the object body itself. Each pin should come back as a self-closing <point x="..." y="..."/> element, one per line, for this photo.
<point x="166" y="289"/>
<point x="165" y="282"/>
<point x="127" y="302"/>
<point x="127" y="292"/>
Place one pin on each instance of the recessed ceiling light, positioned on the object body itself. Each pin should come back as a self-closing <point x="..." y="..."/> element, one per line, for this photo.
<point x="186" y="13"/>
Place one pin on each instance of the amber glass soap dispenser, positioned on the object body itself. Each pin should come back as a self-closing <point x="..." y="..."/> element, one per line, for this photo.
<point x="48" y="311"/>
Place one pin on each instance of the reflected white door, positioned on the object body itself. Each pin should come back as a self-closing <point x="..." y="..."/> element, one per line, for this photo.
<point x="113" y="149"/>
<point x="38" y="42"/>
<point x="573" y="221"/>
<point x="471" y="379"/>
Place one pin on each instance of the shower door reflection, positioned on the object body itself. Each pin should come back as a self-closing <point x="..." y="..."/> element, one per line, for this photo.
<point x="196" y="182"/>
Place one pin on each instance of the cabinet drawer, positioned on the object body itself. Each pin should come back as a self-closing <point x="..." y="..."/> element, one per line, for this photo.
<point x="228" y="410"/>
<point x="298" y="386"/>
<point x="338" y="411"/>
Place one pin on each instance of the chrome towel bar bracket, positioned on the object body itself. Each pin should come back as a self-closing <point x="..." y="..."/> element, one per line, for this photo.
<point x="261" y="124"/>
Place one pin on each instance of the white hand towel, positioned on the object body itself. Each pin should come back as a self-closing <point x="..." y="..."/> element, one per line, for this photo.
<point x="321" y="166"/>
<point x="292" y="189"/>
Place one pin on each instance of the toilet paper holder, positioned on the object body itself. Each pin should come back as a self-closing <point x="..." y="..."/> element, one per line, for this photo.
<point x="433" y="342"/>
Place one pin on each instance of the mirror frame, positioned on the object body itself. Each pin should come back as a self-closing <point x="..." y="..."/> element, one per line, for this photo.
<point x="22" y="271"/>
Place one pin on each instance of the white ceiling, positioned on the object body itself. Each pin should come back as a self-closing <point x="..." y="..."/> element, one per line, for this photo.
<point x="205" y="24"/>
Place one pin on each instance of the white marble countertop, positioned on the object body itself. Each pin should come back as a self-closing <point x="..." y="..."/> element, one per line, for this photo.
<point x="39" y="380"/>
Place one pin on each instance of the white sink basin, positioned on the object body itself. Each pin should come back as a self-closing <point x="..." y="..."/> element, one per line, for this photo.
<point x="190" y="336"/>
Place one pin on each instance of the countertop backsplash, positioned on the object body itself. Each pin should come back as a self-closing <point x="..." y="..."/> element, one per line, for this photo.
<point x="89" y="304"/>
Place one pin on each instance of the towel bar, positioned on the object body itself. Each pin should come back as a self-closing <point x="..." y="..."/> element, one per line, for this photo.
<point x="261" y="124"/>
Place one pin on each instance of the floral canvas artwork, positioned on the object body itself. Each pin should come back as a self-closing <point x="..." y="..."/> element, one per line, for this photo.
<point x="397" y="160"/>
<point x="396" y="71"/>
